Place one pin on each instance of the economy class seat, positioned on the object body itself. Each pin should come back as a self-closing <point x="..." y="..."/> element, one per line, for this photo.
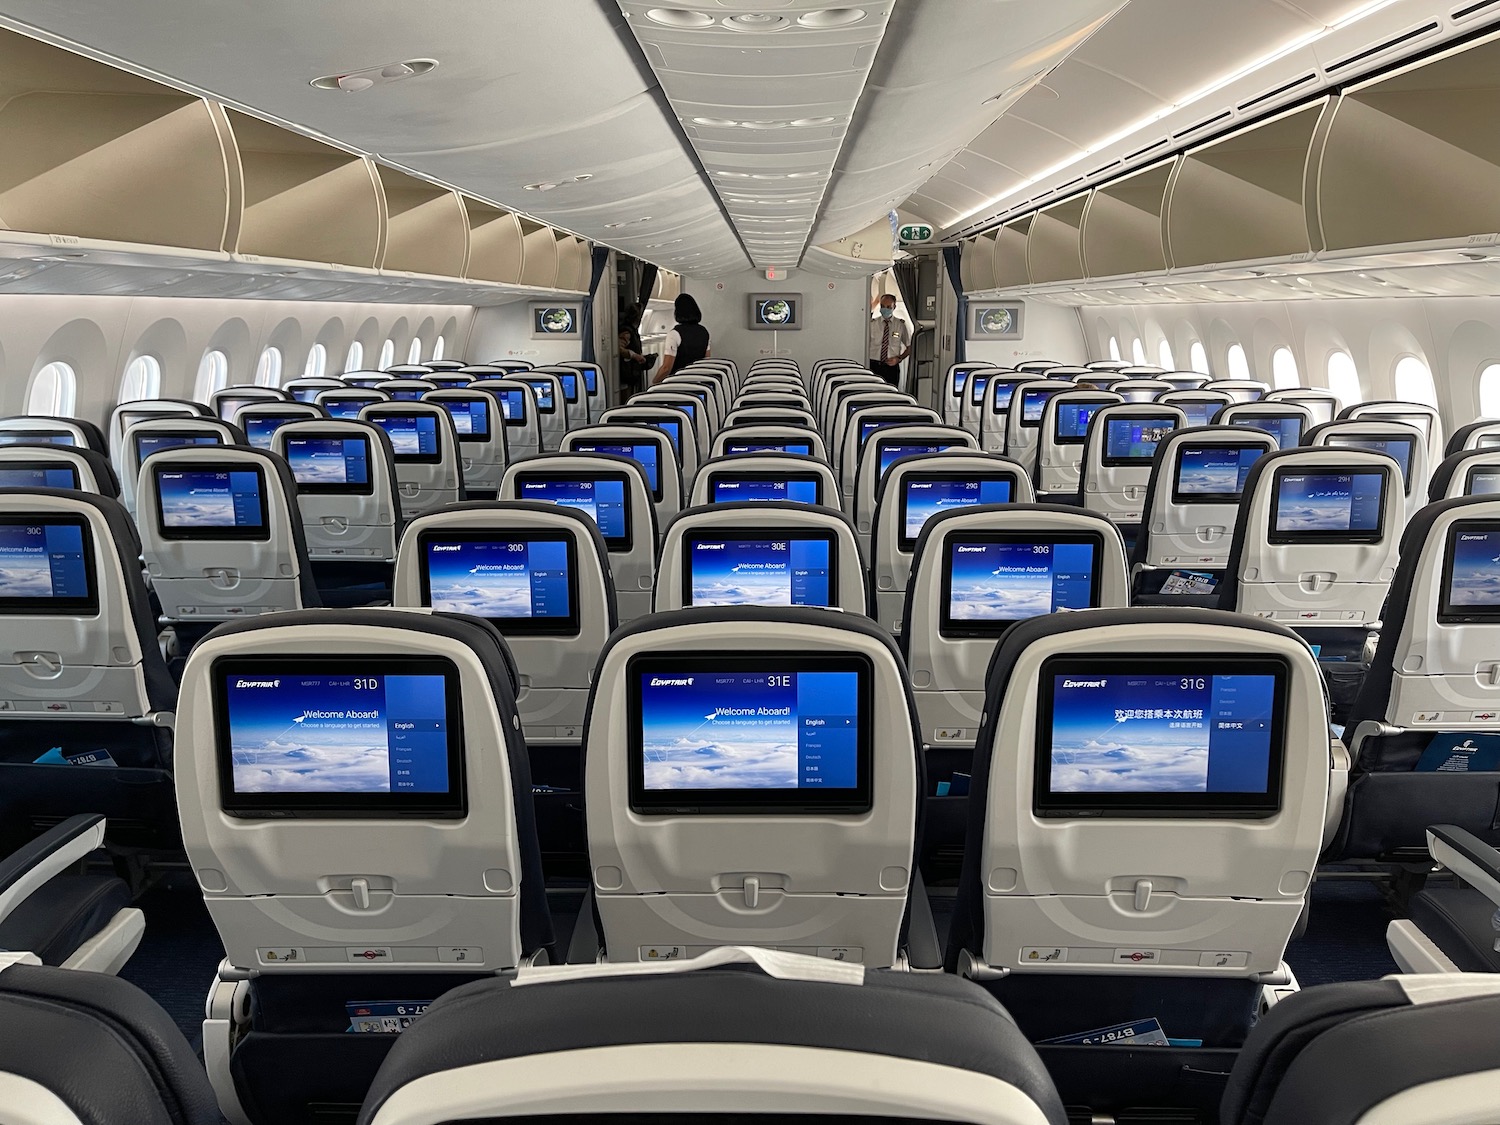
<point x="647" y="446"/>
<point x="1064" y="429"/>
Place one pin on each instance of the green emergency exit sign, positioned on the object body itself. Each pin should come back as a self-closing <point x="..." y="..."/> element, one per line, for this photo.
<point x="916" y="232"/>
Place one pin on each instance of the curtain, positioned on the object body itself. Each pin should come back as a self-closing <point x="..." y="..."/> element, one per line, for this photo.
<point x="600" y="263"/>
<point x="905" y="273"/>
<point x="648" y="283"/>
<point x="955" y="278"/>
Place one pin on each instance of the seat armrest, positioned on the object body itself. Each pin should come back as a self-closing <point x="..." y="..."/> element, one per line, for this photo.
<point x="1468" y="857"/>
<point x="50" y="854"/>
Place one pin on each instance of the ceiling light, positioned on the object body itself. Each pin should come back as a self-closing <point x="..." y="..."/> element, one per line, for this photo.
<point x="764" y="124"/>
<point x="803" y="175"/>
<point x="813" y="122"/>
<point x="714" y="122"/>
<point x="732" y="175"/>
<point x="356" y="80"/>
<point x="832" y="17"/>
<point x="756" y="21"/>
<point x="679" y="17"/>
<point x="544" y="185"/>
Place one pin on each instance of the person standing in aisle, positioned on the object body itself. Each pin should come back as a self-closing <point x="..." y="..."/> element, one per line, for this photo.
<point x="889" y="341"/>
<point x="687" y="342"/>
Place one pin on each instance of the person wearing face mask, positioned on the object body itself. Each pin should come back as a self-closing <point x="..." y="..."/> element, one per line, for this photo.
<point x="889" y="341"/>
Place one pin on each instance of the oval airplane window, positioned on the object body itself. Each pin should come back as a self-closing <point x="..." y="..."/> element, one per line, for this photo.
<point x="317" y="362"/>
<point x="1114" y="349"/>
<point x="142" y="379"/>
<point x="439" y="346"/>
<point x="1284" y="369"/>
<point x="387" y="354"/>
<point x="1239" y="366"/>
<point x="1138" y="353"/>
<point x="1164" y="356"/>
<point x="1489" y="391"/>
<point x="54" y="390"/>
<point x="1343" y="379"/>
<point x="1414" y="381"/>
<point x="213" y="375"/>
<point x="356" y="357"/>
<point x="268" y="370"/>
<point x="414" y="353"/>
<point x="1198" y="358"/>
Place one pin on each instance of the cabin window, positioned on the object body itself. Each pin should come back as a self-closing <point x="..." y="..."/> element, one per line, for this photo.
<point x="1414" y="381"/>
<point x="414" y="353"/>
<point x="1138" y="353"/>
<point x="439" y="346"/>
<point x="1489" y="391"/>
<point x="1284" y="369"/>
<point x="1198" y="358"/>
<point x="1164" y="356"/>
<point x="317" y="363"/>
<point x="1239" y="366"/>
<point x="213" y="375"/>
<point x="142" y="379"/>
<point x="387" y="354"/>
<point x="1343" y="379"/>
<point x="54" y="390"/>
<point x="356" y="358"/>
<point x="268" y="370"/>
<point x="1114" y="349"/>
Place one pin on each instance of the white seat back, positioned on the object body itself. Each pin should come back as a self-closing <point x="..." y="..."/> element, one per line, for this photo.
<point x="1200" y="407"/>
<point x="540" y="574"/>
<point x="57" y="466"/>
<point x="1287" y="422"/>
<point x="861" y="426"/>
<point x="127" y="414"/>
<point x="1023" y="421"/>
<point x="813" y="856"/>
<point x="971" y="409"/>
<point x="1241" y="390"/>
<point x="671" y="420"/>
<point x="975" y="574"/>
<point x="1422" y="417"/>
<point x="1475" y="472"/>
<point x="345" y="404"/>
<point x="549" y="406"/>
<point x="425" y="446"/>
<point x="994" y="418"/>
<point x="145" y="438"/>
<point x="762" y="477"/>
<point x="1065" y="426"/>
<point x="1381" y="435"/>
<point x="523" y="423"/>
<point x="574" y="392"/>
<point x="956" y="389"/>
<point x="406" y="389"/>
<point x="479" y="423"/>
<point x="306" y="390"/>
<point x="802" y="441"/>
<point x="258" y="422"/>
<point x="346" y="488"/>
<point x="648" y="446"/>
<point x="1141" y="390"/>
<point x="225" y="404"/>
<point x="1322" y="405"/>
<point x="1117" y="457"/>
<point x="689" y="404"/>
<point x="887" y="447"/>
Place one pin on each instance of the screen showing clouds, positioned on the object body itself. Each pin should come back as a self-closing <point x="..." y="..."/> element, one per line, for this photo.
<point x="1006" y="582"/>
<point x="194" y="499"/>
<point x="337" y="733"/>
<point x="347" y="408"/>
<point x="1216" y="471"/>
<point x="1474" y="577"/>
<point x="329" y="462"/>
<point x="1033" y="403"/>
<point x="602" y="500"/>
<point x="1399" y="448"/>
<point x="758" y="571"/>
<point x="749" y="730"/>
<point x="147" y="444"/>
<point x="1484" y="482"/>
<point x="1329" y="502"/>
<point x="471" y="417"/>
<point x="42" y="560"/>
<point x="258" y="431"/>
<point x="891" y="451"/>
<point x="499" y="578"/>
<point x="731" y="490"/>
<point x="412" y="435"/>
<point x="1134" y="733"/>
<point x="38" y="476"/>
<point x="924" y="497"/>
<point x="1285" y="428"/>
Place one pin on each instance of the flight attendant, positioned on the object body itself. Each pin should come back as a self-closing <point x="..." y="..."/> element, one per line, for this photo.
<point x="688" y="341"/>
<point x="889" y="341"/>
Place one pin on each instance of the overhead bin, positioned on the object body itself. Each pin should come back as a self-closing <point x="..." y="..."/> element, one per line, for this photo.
<point x="1010" y="254"/>
<point x="306" y="200"/>
<point x="1415" y="156"/>
<point x="572" y="263"/>
<point x="1241" y="198"/>
<point x="1054" y="247"/>
<point x="1122" y="228"/>
<point x="427" y="228"/>
<point x="495" y="250"/>
<point x="977" y="263"/>
<point x="539" y="255"/>
<point x="93" y="152"/>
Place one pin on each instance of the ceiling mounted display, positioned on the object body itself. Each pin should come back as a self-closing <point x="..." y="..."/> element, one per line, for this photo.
<point x="774" y="113"/>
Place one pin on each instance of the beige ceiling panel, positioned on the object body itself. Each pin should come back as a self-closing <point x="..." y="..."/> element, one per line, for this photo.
<point x="1095" y="103"/>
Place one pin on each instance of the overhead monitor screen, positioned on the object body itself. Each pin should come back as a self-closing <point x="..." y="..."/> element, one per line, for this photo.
<point x="1033" y="403"/>
<point x="1133" y="441"/>
<point x="1213" y="474"/>
<point x="1328" y="506"/>
<point x="260" y="428"/>
<point x="1136" y="735"/>
<point x="525" y="582"/>
<point x="37" y="474"/>
<point x="37" y="437"/>
<point x="1398" y="447"/>
<point x="801" y="448"/>
<point x="775" y="312"/>
<point x="193" y="503"/>
<point x="157" y="440"/>
<point x="471" y="416"/>
<point x="513" y="405"/>
<point x="414" y="437"/>
<point x="994" y="579"/>
<point x="1073" y="421"/>
<point x="732" y="568"/>
<point x="47" y="566"/>
<point x="891" y="450"/>
<point x="1471" y="575"/>
<point x="544" y="397"/>
<point x="330" y="464"/>
<point x="348" y="409"/>
<point x="647" y="454"/>
<point x="796" y="488"/>
<point x="358" y="736"/>
<point x="716" y="732"/>
<point x="1484" y="480"/>
<point x="924" y="495"/>
<point x="1285" y="428"/>
<point x="604" y="498"/>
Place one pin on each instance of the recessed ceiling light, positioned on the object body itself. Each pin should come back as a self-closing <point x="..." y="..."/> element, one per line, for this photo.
<point x="803" y="175"/>
<point x="679" y="17"/>
<point x="756" y="21"/>
<point x="813" y="122"/>
<point x="544" y="185"/>
<point x="714" y="122"/>
<point x="764" y="124"/>
<point x="832" y="17"/>
<point x="357" y="80"/>
<point x="732" y="175"/>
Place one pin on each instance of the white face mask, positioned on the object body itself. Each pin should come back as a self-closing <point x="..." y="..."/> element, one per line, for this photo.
<point x="887" y="312"/>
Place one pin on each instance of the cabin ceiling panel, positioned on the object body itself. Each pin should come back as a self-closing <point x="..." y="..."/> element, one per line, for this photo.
<point x="524" y="93"/>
